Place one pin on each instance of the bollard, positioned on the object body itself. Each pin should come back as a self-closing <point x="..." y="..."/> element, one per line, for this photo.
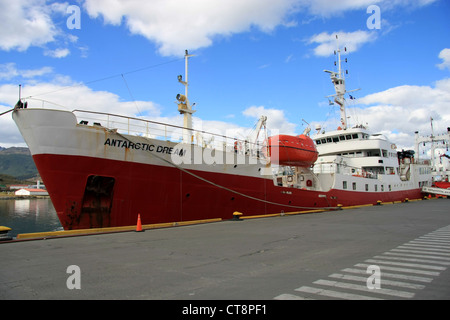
<point x="236" y="216"/>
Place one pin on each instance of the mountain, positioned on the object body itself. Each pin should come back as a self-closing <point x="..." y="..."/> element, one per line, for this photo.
<point x="18" y="163"/>
<point x="6" y="180"/>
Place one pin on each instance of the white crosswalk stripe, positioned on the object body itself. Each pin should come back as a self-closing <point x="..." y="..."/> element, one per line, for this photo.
<point x="427" y="244"/>
<point x="287" y="296"/>
<point x="406" y="270"/>
<point x="412" y="265"/>
<point x="400" y="258"/>
<point x="419" y="255"/>
<point x="403" y="271"/>
<point x="345" y="285"/>
<point x="420" y="247"/>
<point x="335" y="294"/>
<point x="391" y="275"/>
<point x="436" y="237"/>
<point x="385" y="282"/>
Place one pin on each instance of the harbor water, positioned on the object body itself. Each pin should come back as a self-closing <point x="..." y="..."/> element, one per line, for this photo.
<point x="28" y="215"/>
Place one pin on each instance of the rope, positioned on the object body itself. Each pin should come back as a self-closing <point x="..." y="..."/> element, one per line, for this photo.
<point x="228" y="189"/>
<point x="106" y="78"/>
<point x="6" y="112"/>
<point x="131" y="95"/>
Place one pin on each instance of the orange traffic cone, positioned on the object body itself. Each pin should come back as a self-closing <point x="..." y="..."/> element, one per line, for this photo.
<point x="139" y="224"/>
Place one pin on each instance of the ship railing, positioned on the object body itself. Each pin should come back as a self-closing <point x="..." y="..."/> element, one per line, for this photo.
<point x="325" y="168"/>
<point x="168" y="132"/>
<point x="331" y="168"/>
<point x="423" y="162"/>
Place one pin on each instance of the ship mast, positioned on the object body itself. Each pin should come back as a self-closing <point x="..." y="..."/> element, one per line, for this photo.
<point x="434" y="140"/>
<point x="184" y="107"/>
<point x="338" y="80"/>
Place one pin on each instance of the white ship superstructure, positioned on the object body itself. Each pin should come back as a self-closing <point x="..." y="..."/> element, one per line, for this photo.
<point x="363" y="161"/>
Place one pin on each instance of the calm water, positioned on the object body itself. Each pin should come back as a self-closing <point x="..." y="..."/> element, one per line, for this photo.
<point x="27" y="216"/>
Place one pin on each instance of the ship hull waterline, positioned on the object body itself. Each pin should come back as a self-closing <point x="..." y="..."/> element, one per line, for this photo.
<point x="164" y="194"/>
<point x="94" y="181"/>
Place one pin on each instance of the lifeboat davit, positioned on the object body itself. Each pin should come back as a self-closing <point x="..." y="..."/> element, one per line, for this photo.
<point x="299" y="151"/>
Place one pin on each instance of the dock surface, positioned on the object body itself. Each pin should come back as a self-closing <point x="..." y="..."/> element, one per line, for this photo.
<point x="311" y="256"/>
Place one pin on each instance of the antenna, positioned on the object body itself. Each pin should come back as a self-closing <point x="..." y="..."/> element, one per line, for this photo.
<point x="184" y="107"/>
<point x="338" y="80"/>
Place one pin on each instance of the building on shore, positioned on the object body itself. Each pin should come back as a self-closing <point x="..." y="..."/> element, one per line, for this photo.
<point x="31" y="192"/>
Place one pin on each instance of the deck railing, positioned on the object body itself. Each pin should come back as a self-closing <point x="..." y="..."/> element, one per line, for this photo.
<point x="163" y="131"/>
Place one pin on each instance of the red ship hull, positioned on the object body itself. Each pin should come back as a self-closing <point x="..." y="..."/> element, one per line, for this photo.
<point x="98" y="177"/>
<point x="166" y="194"/>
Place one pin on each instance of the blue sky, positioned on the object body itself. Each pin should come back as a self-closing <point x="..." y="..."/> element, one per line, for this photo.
<point x="252" y="58"/>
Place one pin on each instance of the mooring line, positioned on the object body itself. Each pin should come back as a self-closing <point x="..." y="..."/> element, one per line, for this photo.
<point x="226" y="188"/>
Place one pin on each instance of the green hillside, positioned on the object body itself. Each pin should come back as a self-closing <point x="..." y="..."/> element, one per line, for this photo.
<point x="6" y="180"/>
<point x="18" y="163"/>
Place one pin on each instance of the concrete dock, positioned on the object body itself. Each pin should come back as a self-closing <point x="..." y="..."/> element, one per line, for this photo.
<point x="323" y="255"/>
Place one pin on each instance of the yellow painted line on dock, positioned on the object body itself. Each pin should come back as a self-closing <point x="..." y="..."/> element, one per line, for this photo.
<point x="81" y="232"/>
<point x="261" y="216"/>
<point x="324" y="209"/>
<point x="359" y="206"/>
<point x="280" y="214"/>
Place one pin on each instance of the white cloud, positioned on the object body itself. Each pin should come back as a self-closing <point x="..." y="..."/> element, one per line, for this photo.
<point x="57" y="53"/>
<point x="31" y="23"/>
<point x="64" y="94"/>
<point x="179" y="25"/>
<point x="81" y="96"/>
<point x="173" y="25"/>
<point x="400" y="111"/>
<point x="9" y="71"/>
<point x="67" y="98"/>
<point x="25" y="23"/>
<point x="276" y="119"/>
<point x="445" y="56"/>
<point x="327" y="8"/>
<point x="327" y="42"/>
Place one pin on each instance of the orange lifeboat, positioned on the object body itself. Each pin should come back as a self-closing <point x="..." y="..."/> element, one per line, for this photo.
<point x="288" y="150"/>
